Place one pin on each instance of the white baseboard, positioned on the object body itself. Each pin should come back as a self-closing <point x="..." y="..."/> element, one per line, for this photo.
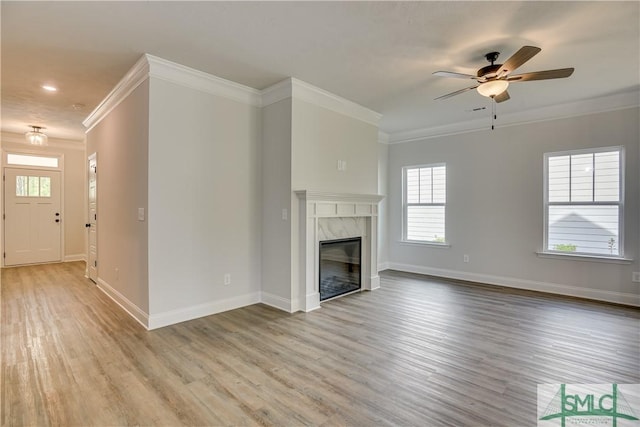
<point x="133" y="310"/>
<point x="511" y="282"/>
<point x="276" y="301"/>
<point x="312" y="302"/>
<point x="75" y="257"/>
<point x="383" y="266"/>
<point x="374" y="283"/>
<point x="201" y="310"/>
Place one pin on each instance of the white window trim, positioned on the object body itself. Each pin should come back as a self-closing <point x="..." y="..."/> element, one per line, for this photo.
<point x="582" y="256"/>
<point x="404" y="239"/>
<point x="437" y="245"/>
<point x="23" y="152"/>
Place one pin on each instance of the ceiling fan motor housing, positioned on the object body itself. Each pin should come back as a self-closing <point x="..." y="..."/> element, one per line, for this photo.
<point x="491" y="57"/>
<point x="488" y="69"/>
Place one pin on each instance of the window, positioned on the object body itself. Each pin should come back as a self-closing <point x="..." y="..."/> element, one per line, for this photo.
<point x="32" y="160"/>
<point x="424" y="203"/>
<point x="33" y="186"/>
<point x="584" y="202"/>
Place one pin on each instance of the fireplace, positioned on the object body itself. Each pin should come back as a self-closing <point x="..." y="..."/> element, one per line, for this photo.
<point x="340" y="271"/>
<point x="331" y="217"/>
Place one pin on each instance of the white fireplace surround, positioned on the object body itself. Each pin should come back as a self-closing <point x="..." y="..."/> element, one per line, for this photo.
<point x="328" y="216"/>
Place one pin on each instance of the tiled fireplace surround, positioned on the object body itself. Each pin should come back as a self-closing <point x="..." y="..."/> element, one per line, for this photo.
<point x="328" y="216"/>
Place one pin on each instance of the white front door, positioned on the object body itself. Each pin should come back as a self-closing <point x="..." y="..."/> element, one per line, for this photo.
<point x="92" y="264"/>
<point x="32" y="216"/>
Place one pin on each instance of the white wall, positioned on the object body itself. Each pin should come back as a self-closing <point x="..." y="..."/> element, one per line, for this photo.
<point x="321" y="137"/>
<point x="205" y="208"/>
<point x="276" y="196"/>
<point x="302" y="142"/>
<point x="213" y="182"/>
<point x="73" y="153"/>
<point x="383" y="212"/>
<point x="120" y="140"/>
<point x="495" y="206"/>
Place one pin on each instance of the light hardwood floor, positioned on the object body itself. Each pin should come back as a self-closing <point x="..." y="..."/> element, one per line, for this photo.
<point x="418" y="352"/>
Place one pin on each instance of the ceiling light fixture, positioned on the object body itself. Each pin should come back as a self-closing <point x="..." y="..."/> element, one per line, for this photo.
<point x="36" y="137"/>
<point x="493" y="88"/>
<point x="49" y="88"/>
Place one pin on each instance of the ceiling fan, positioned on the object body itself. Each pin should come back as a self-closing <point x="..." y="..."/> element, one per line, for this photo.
<point x="493" y="80"/>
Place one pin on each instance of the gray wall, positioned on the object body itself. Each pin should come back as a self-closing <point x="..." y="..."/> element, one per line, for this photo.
<point x="276" y="196"/>
<point x="120" y="141"/>
<point x="495" y="206"/>
<point x="204" y="202"/>
<point x="321" y="137"/>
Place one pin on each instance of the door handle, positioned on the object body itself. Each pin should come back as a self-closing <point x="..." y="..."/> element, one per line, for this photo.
<point x="57" y="213"/>
<point x="87" y="225"/>
<point x="57" y="219"/>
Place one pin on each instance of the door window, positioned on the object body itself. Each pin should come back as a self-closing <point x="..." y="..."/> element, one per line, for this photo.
<point x="33" y="186"/>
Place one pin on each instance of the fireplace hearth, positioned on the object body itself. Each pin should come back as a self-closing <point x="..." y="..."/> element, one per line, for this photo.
<point x="340" y="271"/>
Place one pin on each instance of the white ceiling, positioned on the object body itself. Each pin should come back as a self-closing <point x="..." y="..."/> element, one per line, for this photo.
<point x="378" y="54"/>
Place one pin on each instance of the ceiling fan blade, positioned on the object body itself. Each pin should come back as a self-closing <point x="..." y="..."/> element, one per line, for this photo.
<point x="517" y="59"/>
<point x="504" y="96"/>
<point x="541" y="75"/>
<point x="449" y="95"/>
<point x="454" y="75"/>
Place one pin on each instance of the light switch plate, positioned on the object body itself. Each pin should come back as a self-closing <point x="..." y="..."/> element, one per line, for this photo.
<point x="140" y="214"/>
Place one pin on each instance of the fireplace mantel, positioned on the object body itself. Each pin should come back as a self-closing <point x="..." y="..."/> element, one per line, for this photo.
<point x="325" y="215"/>
<point x="324" y="196"/>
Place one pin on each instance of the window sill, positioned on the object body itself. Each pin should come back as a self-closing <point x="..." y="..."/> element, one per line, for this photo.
<point x="425" y="243"/>
<point x="588" y="258"/>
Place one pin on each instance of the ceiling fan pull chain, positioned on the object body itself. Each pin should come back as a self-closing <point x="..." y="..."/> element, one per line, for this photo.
<point x="493" y="112"/>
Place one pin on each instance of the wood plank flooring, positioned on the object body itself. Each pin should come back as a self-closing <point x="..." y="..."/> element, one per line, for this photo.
<point x="418" y="352"/>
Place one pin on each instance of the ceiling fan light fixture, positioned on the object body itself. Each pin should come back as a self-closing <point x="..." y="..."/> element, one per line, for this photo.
<point x="36" y="137"/>
<point x="493" y="88"/>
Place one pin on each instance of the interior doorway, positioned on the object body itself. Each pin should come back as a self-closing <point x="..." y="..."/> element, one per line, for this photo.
<point x="92" y="224"/>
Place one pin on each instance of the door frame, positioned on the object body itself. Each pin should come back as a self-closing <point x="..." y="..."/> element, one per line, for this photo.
<point x="60" y="168"/>
<point x="91" y="157"/>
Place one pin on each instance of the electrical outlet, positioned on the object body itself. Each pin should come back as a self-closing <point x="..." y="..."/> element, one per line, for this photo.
<point x="285" y="214"/>
<point x="635" y="276"/>
<point x="465" y="258"/>
<point x="227" y="279"/>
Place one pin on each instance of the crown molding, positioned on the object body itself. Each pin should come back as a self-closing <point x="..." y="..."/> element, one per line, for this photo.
<point x="620" y="101"/>
<point x="152" y="66"/>
<point x="277" y="92"/>
<point x="297" y="89"/>
<point x="199" y="80"/>
<point x="320" y="97"/>
<point x="383" y="138"/>
<point x="134" y="77"/>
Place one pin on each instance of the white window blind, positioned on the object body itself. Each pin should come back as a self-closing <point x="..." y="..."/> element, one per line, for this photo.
<point x="583" y="204"/>
<point x="425" y="201"/>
